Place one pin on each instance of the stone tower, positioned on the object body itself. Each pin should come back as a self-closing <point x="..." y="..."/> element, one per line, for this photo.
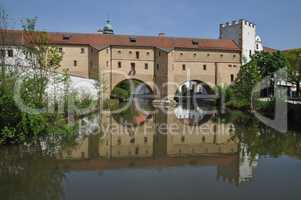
<point x="243" y="32"/>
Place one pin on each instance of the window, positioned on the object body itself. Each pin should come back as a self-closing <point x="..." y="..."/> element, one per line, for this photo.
<point x="132" y="39"/>
<point x="222" y="55"/>
<point x="119" y="141"/>
<point x="2" y="53"/>
<point x="107" y="63"/>
<point x="146" y="66"/>
<point x="208" y="54"/>
<point x="234" y="56"/>
<point x="130" y="52"/>
<point x="204" y="67"/>
<point x="10" y="53"/>
<point x="107" y="50"/>
<point x="257" y="46"/>
<point x="195" y="42"/>
<point x="183" y="67"/>
<point x="82" y="50"/>
<point x="194" y="55"/>
<point x="230" y="65"/>
<point x="132" y="141"/>
<point x="61" y="50"/>
<point x="133" y="66"/>
<point x="137" y="54"/>
<point x="232" y="77"/>
<point x="147" y="53"/>
<point x="250" y="53"/>
<point x="66" y="37"/>
<point x="75" y="63"/>
<point x="158" y="66"/>
<point x="182" y="139"/>
<point x="159" y="53"/>
<point x="119" y="64"/>
<point x="119" y="52"/>
<point x="145" y="140"/>
<point x="234" y="65"/>
<point x="181" y="54"/>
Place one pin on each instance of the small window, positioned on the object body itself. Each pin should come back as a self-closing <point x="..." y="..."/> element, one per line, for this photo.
<point x="147" y="53"/>
<point x="137" y="54"/>
<point x="146" y="66"/>
<point x="183" y="67"/>
<point x="75" y="63"/>
<point x="132" y="39"/>
<point x="181" y="54"/>
<point x="119" y="52"/>
<point x="119" y="64"/>
<point x="194" y="55"/>
<point x="232" y="77"/>
<point x="130" y="52"/>
<point x="230" y="65"/>
<point x="107" y="63"/>
<point x="234" y="65"/>
<point x="250" y="53"/>
<point x="158" y="66"/>
<point x="222" y="55"/>
<point x="61" y="50"/>
<point x="195" y="42"/>
<point x="257" y="46"/>
<point x="234" y="56"/>
<point x="107" y="50"/>
<point x="145" y="140"/>
<point x="2" y="53"/>
<point x="159" y="53"/>
<point x="133" y="66"/>
<point x="204" y="67"/>
<point x="66" y="37"/>
<point x="183" y="139"/>
<point x="132" y="141"/>
<point x="208" y="54"/>
<point x="10" y="53"/>
<point x="119" y="141"/>
<point x="82" y="50"/>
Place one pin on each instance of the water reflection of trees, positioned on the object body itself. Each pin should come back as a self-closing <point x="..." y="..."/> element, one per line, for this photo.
<point x="262" y="140"/>
<point x="28" y="174"/>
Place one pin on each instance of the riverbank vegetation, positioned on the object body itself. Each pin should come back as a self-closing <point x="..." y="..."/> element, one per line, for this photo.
<point x="27" y="114"/>
<point x="263" y="65"/>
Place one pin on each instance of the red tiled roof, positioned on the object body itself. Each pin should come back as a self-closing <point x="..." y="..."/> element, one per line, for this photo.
<point x="269" y="50"/>
<point x="99" y="40"/>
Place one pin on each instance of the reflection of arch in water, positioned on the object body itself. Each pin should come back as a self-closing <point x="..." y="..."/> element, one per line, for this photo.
<point x="193" y="116"/>
<point x="194" y="88"/>
<point x="131" y="87"/>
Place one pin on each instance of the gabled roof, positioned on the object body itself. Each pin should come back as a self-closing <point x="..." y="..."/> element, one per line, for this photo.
<point x="99" y="40"/>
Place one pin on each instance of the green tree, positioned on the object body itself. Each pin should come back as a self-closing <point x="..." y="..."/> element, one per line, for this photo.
<point x="262" y="65"/>
<point x="294" y="69"/>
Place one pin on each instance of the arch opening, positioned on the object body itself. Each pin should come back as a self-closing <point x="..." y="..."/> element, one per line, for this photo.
<point x="129" y="88"/>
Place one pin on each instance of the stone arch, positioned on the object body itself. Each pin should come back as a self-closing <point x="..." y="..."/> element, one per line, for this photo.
<point x="133" y="83"/>
<point x="197" y="86"/>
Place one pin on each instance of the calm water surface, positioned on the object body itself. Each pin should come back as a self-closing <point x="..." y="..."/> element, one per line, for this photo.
<point x="187" y="153"/>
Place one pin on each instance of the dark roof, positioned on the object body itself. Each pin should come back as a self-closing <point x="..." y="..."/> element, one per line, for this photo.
<point x="100" y="40"/>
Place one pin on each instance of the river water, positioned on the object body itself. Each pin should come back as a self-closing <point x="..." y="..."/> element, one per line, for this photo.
<point x="148" y="153"/>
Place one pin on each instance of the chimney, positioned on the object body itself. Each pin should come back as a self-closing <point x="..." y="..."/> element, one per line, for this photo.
<point x="161" y="34"/>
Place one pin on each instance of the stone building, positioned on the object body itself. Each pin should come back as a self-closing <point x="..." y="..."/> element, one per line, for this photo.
<point x="164" y="63"/>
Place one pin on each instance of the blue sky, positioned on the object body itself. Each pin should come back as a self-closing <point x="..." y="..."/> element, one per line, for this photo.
<point x="278" y="21"/>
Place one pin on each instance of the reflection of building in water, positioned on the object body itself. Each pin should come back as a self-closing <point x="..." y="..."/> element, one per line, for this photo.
<point x="246" y="165"/>
<point x="211" y="144"/>
<point x="125" y="142"/>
